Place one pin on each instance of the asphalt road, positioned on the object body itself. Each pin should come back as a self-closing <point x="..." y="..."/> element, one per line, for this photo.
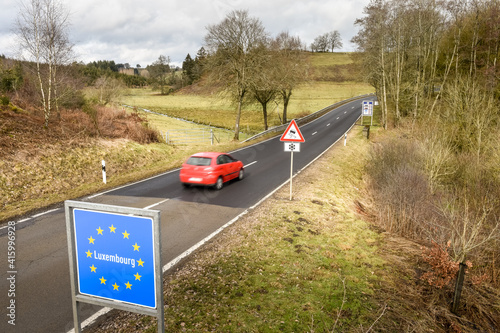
<point x="39" y="283"/>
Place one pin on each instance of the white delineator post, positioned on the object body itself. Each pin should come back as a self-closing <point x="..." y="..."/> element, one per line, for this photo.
<point x="103" y="172"/>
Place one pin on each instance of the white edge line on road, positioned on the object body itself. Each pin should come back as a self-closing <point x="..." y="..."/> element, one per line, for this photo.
<point x="31" y="217"/>
<point x="130" y="184"/>
<point x="193" y="248"/>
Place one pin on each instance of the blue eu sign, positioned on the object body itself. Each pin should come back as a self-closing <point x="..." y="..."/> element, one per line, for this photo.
<point x="115" y="256"/>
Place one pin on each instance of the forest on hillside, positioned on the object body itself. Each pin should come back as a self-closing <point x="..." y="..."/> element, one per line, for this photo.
<point x="436" y="178"/>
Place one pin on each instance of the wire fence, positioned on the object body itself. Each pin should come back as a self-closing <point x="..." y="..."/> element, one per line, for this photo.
<point x="190" y="136"/>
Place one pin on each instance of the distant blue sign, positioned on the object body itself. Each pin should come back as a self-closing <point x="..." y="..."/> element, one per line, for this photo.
<point x="367" y="108"/>
<point x="115" y="257"/>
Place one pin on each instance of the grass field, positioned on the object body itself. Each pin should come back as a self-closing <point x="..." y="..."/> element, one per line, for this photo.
<point x="209" y="109"/>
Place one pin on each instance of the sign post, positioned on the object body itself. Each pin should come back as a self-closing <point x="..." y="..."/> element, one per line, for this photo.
<point x="292" y="138"/>
<point x="115" y="259"/>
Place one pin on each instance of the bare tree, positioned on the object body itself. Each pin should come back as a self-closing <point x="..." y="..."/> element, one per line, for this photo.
<point x="320" y="43"/>
<point x="236" y="47"/>
<point x="42" y="32"/>
<point x="263" y="87"/>
<point x="334" y="40"/>
<point x="290" y="68"/>
<point x="108" y="89"/>
<point x="159" y="71"/>
<point x="372" y="41"/>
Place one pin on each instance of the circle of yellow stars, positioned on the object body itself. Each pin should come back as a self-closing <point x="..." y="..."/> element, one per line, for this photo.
<point x="140" y="262"/>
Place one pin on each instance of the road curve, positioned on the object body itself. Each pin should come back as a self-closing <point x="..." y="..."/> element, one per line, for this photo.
<point x="41" y="284"/>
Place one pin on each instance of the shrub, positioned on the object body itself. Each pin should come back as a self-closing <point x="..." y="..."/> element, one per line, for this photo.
<point x="4" y="100"/>
<point x="114" y="123"/>
<point x="400" y="187"/>
<point x="444" y="270"/>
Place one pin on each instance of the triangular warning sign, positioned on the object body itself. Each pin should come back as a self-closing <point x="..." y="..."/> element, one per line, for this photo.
<point x="292" y="133"/>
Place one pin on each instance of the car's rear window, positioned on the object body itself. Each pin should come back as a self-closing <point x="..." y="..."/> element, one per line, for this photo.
<point x="200" y="161"/>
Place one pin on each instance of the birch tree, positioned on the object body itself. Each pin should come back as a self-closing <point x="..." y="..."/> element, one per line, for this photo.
<point x="42" y="28"/>
<point x="372" y="42"/>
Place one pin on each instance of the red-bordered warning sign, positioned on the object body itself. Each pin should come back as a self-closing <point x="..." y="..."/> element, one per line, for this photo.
<point x="292" y="133"/>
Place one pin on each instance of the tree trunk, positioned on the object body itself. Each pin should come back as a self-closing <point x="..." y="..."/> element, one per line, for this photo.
<point x="238" y="116"/>
<point x="286" y="98"/>
<point x="264" y="114"/>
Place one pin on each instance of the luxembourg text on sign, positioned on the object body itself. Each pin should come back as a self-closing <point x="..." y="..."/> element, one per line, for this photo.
<point x="115" y="257"/>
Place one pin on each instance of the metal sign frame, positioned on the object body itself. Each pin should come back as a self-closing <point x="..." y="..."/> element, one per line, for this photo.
<point x="117" y="212"/>
<point x="367" y="111"/>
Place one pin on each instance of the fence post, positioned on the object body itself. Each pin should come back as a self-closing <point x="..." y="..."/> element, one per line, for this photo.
<point x="458" y="287"/>
<point x="212" y="137"/>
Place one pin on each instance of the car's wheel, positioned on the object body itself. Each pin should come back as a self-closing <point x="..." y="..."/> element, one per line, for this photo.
<point x="185" y="184"/>
<point x="241" y="174"/>
<point x="218" y="185"/>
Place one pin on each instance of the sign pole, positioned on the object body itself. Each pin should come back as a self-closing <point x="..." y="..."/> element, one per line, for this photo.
<point x="292" y="138"/>
<point x="291" y="174"/>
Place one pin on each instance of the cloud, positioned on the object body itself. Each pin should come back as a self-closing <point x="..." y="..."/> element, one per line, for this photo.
<point x="138" y="32"/>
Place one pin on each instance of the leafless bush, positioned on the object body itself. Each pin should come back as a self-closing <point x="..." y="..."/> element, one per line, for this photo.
<point x="400" y="187"/>
<point x="120" y="124"/>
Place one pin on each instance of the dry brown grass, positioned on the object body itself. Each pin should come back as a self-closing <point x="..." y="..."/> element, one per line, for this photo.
<point x="40" y="166"/>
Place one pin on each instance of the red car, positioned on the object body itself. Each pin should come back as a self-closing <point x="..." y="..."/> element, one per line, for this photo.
<point x="211" y="169"/>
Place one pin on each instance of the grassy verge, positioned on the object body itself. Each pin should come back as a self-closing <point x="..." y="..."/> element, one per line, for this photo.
<point x="305" y="265"/>
<point x="58" y="172"/>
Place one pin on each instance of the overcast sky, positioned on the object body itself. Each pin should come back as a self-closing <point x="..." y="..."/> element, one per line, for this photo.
<point x="139" y="31"/>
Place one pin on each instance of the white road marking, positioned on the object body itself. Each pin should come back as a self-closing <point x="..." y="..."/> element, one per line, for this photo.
<point x="249" y="164"/>
<point x="338" y="117"/>
<point x="46" y="212"/>
<point x="32" y="217"/>
<point x="156" y="204"/>
<point x="328" y="125"/>
<point x="314" y="133"/>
